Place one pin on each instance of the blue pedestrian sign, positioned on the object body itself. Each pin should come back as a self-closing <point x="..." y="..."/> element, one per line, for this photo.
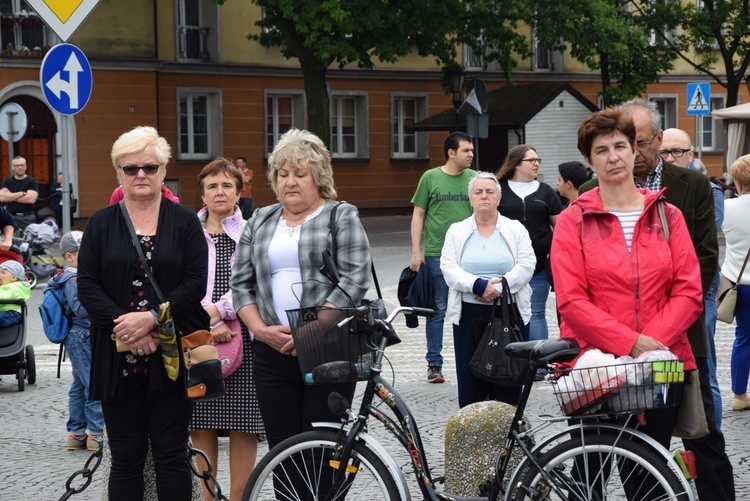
<point x="66" y="79"/>
<point x="699" y="98"/>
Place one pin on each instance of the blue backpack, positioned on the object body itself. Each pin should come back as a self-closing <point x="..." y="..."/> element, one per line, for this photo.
<point x="55" y="322"/>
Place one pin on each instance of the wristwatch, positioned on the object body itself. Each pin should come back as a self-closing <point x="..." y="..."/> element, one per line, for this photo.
<point x="23" y="193"/>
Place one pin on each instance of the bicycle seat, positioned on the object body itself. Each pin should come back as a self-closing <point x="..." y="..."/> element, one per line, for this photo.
<point x="544" y="352"/>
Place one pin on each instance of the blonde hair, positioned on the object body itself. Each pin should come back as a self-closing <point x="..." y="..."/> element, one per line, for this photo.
<point x="139" y="139"/>
<point x="740" y="172"/>
<point x="302" y="148"/>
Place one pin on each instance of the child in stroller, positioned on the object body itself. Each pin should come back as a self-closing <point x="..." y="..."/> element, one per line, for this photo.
<point x="38" y="261"/>
<point x="16" y="357"/>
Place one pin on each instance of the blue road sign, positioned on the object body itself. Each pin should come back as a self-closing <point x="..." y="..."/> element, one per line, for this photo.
<point x="699" y="98"/>
<point x="66" y="79"/>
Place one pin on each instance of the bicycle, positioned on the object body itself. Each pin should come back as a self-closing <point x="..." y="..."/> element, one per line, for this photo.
<point x="585" y="460"/>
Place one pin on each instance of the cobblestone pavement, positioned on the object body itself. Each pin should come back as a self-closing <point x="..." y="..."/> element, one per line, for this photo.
<point x="34" y="463"/>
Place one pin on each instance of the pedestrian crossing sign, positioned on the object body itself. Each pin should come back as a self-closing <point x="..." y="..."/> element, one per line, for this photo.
<point x="699" y="98"/>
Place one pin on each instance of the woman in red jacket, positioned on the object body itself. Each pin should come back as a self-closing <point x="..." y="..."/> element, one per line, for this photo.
<point x="621" y="285"/>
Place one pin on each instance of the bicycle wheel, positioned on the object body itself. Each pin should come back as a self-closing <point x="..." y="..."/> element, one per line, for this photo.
<point x="599" y="467"/>
<point x="302" y="467"/>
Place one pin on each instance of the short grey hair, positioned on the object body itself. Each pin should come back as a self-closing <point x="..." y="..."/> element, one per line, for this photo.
<point x="300" y="148"/>
<point x="647" y="106"/>
<point x="484" y="175"/>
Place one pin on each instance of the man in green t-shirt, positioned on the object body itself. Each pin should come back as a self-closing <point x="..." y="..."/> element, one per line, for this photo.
<point x="441" y="199"/>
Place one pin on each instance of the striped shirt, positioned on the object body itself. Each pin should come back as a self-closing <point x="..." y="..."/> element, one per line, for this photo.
<point x="627" y="221"/>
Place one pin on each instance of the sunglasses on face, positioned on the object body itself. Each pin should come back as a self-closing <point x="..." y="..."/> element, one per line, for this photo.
<point x="132" y="170"/>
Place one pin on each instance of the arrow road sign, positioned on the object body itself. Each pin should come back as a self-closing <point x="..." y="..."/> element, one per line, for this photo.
<point x="699" y="98"/>
<point x="66" y="79"/>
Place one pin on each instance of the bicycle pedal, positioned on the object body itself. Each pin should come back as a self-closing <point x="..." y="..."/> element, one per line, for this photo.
<point x="686" y="462"/>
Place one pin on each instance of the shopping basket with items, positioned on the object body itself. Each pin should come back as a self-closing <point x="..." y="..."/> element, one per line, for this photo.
<point x="624" y="385"/>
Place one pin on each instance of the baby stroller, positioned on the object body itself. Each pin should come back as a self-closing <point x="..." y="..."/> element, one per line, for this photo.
<point x="38" y="261"/>
<point x="16" y="357"/>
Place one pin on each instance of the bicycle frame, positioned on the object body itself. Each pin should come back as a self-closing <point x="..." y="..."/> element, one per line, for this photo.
<point x="406" y="431"/>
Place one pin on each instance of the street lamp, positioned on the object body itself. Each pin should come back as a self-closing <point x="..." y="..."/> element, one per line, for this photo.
<point x="456" y="77"/>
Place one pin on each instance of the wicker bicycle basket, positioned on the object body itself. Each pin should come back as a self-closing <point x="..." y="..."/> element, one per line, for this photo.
<point x="326" y="352"/>
<point x="626" y="387"/>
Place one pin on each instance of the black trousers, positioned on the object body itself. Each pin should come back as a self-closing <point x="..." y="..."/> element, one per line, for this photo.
<point x="134" y="418"/>
<point x="288" y="405"/>
<point x="715" y="474"/>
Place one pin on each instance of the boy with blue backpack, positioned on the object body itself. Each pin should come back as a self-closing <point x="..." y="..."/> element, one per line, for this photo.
<point x="86" y="421"/>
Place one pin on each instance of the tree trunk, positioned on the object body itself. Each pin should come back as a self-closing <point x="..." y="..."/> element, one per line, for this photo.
<point x="316" y="94"/>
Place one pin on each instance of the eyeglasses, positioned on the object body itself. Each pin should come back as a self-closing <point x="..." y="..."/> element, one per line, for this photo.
<point x="132" y="170"/>
<point x="644" y="143"/>
<point x="532" y="160"/>
<point x="675" y="152"/>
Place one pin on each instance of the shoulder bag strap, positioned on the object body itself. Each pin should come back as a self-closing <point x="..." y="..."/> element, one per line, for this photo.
<point x="137" y="245"/>
<point x="663" y="217"/>
<point x="333" y="249"/>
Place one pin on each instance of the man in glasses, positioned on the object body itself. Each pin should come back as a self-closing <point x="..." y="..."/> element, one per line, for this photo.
<point x="676" y="148"/>
<point x="690" y="192"/>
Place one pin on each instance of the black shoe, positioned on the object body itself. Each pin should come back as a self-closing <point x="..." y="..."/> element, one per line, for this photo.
<point x="435" y="374"/>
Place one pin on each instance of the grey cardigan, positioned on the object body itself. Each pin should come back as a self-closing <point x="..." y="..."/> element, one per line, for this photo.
<point x="251" y="274"/>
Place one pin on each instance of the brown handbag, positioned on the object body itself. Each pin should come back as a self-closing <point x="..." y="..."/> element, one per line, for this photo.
<point x="203" y="377"/>
<point x="726" y="295"/>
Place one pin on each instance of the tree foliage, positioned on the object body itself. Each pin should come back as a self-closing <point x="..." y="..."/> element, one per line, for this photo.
<point x="613" y="37"/>
<point x="321" y="33"/>
<point x="715" y="32"/>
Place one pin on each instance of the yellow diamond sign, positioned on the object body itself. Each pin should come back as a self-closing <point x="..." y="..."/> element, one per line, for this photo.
<point x="63" y="16"/>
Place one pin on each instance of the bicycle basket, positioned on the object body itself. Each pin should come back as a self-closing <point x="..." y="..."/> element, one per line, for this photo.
<point x="326" y="352"/>
<point x="626" y="387"/>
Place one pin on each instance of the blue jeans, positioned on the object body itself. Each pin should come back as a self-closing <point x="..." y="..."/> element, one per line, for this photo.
<point x="538" y="329"/>
<point x="85" y="415"/>
<point x="434" y="324"/>
<point x="246" y="206"/>
<point x="709" y="304"/>
<point x="741" y="348"/>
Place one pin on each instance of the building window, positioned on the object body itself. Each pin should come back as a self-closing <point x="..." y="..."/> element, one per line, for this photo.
<point x="284" y="110"/>
<point x="196" y="30"/>
<point x="474" y="60"/>
<point x="542" y="56"/>
<point x="21" y="29"/>
<point x="667" y="106"/>
<point x="712" y="127"/>
<point x="199" y="126"/>
<point x="349" y="125"/>
<point x="407" y="109"/>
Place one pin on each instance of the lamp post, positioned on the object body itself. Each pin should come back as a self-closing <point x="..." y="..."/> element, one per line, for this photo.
<point x="456" y="77"/>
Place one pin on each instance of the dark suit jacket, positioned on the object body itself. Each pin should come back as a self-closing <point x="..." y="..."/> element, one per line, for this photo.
<point x="690" y="192"/>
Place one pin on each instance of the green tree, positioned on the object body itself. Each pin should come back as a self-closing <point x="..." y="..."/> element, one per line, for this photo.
<point x="715" y="34"/>
<point x="321" y="33"/>
<point x="619" y="39"/>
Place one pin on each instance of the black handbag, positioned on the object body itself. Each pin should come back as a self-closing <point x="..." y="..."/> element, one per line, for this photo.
<point x="489" y="362"/>
<point x="204" y="379"/>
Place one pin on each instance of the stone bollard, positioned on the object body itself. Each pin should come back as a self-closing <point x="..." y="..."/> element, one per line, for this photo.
<point x="474" y="437"/>
<point x="149" y="477"/>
